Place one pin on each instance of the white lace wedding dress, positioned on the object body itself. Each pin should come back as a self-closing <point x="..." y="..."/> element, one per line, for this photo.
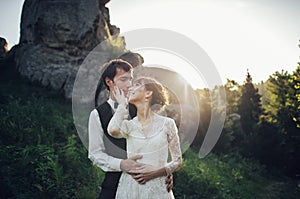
<point x="161" y="135"/>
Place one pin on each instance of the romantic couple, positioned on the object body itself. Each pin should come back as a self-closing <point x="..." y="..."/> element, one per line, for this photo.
<point x="129" y="141"/>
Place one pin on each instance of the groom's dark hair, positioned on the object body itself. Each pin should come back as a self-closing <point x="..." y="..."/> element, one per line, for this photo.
<point x="110" y="70"/>
<point x="134" y="59"/>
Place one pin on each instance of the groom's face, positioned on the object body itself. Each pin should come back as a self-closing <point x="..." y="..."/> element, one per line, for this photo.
<point x="122" y="80"/>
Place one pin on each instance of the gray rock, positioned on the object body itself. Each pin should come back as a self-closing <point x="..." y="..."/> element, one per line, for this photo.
<point x="57" y="36"/>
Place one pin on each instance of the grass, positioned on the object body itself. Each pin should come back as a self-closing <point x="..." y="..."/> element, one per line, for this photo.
<point x="42" y="156"/>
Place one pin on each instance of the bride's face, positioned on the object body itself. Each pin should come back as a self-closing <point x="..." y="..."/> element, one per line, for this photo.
<point x="137" y="92"/>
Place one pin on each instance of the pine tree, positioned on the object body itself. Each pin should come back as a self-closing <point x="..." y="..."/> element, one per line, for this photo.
<point x="295" y="98"/>
<point x="282" y="111"/>
<point x="249" y="106"/>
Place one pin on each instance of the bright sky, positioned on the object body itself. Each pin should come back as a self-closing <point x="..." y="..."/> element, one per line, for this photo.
<point x="261" y="35"/>
<point x="10" y="15"/>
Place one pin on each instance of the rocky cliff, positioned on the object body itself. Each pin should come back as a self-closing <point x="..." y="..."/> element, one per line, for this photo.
<point x="57" y="35"/>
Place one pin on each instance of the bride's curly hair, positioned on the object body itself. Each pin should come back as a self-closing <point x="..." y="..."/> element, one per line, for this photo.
<point x="160" y="93"/>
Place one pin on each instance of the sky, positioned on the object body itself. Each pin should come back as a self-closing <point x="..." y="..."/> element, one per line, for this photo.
<point x="259" y="35"/>
<point x="10" y="15"/>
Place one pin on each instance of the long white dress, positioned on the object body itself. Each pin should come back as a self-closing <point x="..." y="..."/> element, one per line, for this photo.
<point x="161" y="135"/>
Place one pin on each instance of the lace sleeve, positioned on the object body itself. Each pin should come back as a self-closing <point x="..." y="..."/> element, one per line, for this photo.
<point x="174" y="147"/>
<point x="118" y="125"/>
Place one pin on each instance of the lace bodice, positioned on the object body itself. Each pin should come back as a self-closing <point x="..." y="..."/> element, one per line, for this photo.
<point x="152" y="141"/>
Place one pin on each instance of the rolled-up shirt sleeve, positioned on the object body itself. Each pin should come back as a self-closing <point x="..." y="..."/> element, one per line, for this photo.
<point x="97" y="152"/>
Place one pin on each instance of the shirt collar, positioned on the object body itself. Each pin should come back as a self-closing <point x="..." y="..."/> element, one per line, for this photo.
<point x="111" y="103"/>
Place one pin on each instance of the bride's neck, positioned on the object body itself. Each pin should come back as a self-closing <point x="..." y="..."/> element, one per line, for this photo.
<point x="144" y="112"/>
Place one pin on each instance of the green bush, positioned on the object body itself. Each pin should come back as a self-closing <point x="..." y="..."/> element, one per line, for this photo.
<point x="41" y="156"/>
<point x="228" y="176"/>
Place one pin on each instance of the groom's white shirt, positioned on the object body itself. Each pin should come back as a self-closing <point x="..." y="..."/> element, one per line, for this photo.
<point x="97" y="152"/>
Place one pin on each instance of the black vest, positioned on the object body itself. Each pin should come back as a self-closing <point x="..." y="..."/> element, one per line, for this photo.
<point x="115" y="147"/>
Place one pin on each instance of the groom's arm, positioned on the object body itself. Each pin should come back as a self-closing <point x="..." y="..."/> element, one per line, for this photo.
<point x="97" y="152"/>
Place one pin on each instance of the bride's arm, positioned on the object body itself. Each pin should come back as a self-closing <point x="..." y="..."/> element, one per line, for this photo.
<point x="117" y="126"/>
<point x="174" y="147"/>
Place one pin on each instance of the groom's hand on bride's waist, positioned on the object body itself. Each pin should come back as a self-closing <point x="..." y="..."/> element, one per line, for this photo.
<point x="142" y="174"/>
<point x="131" y="163"/>
<point x="148" y="172"/>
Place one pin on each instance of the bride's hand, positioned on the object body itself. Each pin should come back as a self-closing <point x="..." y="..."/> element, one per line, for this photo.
<point x="145" y="173"/>
<point x="146" y="168"/>
<point x="120" y="96"/>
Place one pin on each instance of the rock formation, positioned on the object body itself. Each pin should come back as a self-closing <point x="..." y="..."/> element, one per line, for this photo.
<point x="56" y="36"/>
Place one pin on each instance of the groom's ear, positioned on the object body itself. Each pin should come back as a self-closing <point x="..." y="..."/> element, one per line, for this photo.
<point x="108" y="82"/>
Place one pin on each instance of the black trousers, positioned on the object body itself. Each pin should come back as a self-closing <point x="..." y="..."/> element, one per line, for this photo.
<point x="110" y="185"/>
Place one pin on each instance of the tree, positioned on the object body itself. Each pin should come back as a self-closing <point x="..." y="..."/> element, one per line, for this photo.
<point x="249" y="106"/>
<point x="232" y="96"/>
<point x="282" y="111"/>
<point x="295" y="103"/>
<point x="204" y="99"/>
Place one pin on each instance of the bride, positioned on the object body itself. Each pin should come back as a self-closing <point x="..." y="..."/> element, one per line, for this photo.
<point x="147" y="134"/>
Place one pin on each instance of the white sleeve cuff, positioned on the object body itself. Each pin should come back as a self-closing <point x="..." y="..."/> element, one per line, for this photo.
<point x="116" y="164"/>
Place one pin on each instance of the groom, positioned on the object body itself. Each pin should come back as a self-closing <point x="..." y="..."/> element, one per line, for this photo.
<point x="105" y="151"/>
